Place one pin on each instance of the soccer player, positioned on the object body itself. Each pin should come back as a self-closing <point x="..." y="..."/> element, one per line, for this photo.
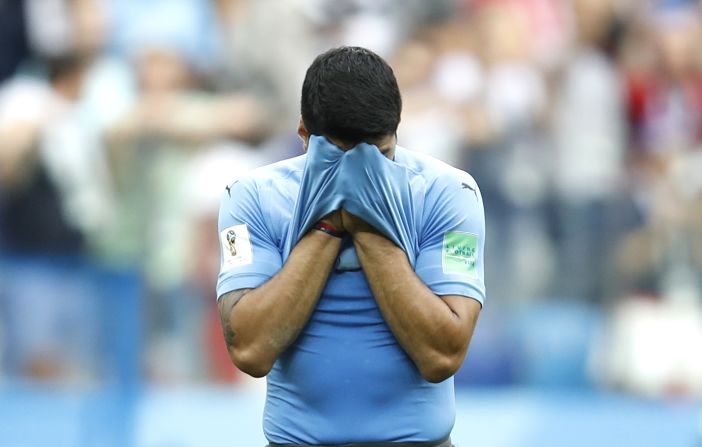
<point x="359" y="337"/>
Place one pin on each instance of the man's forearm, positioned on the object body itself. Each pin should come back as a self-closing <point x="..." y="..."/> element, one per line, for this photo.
<point x="262" y="323"/>
<point x="434" y="332"/>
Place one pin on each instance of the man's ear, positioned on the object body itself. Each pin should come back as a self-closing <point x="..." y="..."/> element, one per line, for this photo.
<point x="303" y="133"/>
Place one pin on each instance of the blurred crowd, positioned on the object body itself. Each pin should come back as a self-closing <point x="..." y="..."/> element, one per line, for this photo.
<point x="121" y="122"/>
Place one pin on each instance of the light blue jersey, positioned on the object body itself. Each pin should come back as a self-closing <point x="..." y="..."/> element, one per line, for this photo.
<point x="346" y="379"/>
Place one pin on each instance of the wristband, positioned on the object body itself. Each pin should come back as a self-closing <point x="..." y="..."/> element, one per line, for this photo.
<point x="329" y="229"/>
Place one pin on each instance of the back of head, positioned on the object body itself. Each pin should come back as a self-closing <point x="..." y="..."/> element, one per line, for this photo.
<point x="65" y="66"/>
<point x="351" y="94"/>
<point x="65" y="74"/>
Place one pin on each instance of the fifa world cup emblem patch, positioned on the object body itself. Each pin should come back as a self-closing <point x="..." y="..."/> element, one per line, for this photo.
<point x="236" y="247"/>
<point x="231" y="240"/>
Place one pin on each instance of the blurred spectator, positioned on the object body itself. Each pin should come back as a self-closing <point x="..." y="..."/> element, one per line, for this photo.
<point x="109" y="79"/>
<point x="511" y="164"/>
<point x="441" y="80"/>
<point x="52" y="174"/>
<point x="664" y="77"/>
<point x="154" y="148"/>
<point x="54" y="200"/>
<point x="268" y="53"/>
<point x="588" y="136"/>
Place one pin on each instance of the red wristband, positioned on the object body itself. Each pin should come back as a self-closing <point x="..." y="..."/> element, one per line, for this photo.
<point x="329" y="229"/>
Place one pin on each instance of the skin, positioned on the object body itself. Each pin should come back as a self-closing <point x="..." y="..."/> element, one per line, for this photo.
<point x="434" y="331"/>
<point x="259" y="324"/>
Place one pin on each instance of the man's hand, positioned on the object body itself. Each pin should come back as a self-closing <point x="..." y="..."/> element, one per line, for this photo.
<point x="434" y="331"/>
<point x="354" y="224"/>
<point x="335" y="220"/>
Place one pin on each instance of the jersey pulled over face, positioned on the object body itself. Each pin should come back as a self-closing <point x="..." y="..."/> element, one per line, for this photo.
<point x="346" y="379"/>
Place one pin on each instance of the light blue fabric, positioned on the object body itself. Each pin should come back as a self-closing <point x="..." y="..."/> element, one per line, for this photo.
<point x="319" y="192"/>
<point x="345" y="378"/>
<point x="362" y="181"/>
<point x="377" y="190"/>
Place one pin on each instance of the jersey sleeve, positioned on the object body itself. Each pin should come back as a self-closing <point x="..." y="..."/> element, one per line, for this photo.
<point x="249" y="255"/>
<point x="378" y="191"/>
<point x="452" y="238"/>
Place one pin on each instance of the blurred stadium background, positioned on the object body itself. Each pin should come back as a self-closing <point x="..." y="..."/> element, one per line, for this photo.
<point x="121" y="121"/>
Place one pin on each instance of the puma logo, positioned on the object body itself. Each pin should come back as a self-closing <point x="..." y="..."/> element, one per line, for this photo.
<point x="229" y="188"/>
<point x="465" y="185"/>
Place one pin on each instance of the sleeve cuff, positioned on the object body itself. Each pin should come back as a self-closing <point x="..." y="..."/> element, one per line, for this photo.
<point x="466" y="290"/>
<point x="241" y="281"/>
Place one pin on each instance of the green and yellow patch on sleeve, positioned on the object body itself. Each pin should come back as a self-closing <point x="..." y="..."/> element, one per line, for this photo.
<point x="460" y="253"/>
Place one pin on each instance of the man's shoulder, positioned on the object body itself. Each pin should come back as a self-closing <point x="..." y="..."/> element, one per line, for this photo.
<point x="435" y="172"/>
<point x="274" y="174"/>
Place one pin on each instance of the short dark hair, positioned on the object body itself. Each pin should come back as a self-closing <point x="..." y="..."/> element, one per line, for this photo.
<point x="350" y="93"/>
<point x="64" y="66"/>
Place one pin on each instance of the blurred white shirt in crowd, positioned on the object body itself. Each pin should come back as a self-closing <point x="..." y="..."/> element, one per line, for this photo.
<point x="588" y="129"/>
<point x="68" y="149"/>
